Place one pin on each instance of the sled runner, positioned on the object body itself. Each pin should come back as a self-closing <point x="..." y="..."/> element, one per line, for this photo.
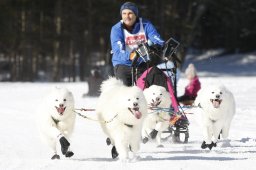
<point x="157" y="74"/>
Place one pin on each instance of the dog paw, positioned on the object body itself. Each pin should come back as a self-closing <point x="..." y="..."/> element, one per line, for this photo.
<point x="160" y="146"/>
<point x="69" y="154"/>
<point x="204" y="145"/>
<point x="108" y="141"/>
<point x="213" y="144"/>
<point x="145" y="140"/>
<point x="114" y="152"/>
<point x="55" y="157"/>
<point x="64" y="145"/>
<point x="210" y="146"/>
<point x="153" y="134"/>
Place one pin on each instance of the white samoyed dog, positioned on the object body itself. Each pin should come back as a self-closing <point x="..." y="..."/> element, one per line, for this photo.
<point x="157" y="120"/>
<point x="218" y="108"/>
<point x="121" y="111"/>
<point x="55" y="119"/>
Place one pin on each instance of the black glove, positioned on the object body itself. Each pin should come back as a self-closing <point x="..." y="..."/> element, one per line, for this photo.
<point x="108" y="141"/>
<point x="153" y="134"/>
<point x="145" y="140"/>
<point x="114" y="152"/>
<point x="156" y="48"/>
<point x="143" y="49"/>
<point x="64" y="145"/>
<point x="210" y="146"/>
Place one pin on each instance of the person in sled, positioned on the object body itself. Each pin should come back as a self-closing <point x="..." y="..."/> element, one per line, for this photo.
<point x="125" y="37"/>
<point x="192" y="88"/>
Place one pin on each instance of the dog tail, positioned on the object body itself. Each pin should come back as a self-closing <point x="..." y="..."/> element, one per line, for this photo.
<point x="111" y="83"/>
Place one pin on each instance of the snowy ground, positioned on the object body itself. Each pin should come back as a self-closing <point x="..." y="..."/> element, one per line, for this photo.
<point x="21" y="148"/>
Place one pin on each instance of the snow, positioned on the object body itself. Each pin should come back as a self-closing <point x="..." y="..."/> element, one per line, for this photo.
<point x="22" y="149"/>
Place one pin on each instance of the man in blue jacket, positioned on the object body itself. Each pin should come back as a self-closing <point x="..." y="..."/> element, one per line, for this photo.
<point x="125" y="37"/>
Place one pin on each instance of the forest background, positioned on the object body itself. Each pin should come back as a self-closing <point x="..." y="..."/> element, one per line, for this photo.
<point x="63" y="40"/>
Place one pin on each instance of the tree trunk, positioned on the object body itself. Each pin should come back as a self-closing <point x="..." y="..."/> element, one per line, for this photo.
<point x="56" y="43"/>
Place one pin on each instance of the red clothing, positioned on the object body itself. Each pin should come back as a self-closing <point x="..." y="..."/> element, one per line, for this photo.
<point x="193" y="87"/>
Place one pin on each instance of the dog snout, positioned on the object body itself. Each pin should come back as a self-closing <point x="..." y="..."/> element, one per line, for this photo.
<point x="217" y="96"/>
<point x="61" y="105"/>
<point x="158" y="98"/>
<point x="135" y="104"/>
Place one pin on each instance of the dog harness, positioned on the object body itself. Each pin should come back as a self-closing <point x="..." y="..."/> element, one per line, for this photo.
<point x="56" y="121"/>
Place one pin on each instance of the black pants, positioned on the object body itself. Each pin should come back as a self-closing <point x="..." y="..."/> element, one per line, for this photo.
<point x="186" y="100"/>
<point x="126" y="73"/>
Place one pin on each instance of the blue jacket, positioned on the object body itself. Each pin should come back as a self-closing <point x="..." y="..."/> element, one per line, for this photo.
<point x="122" y="57"/>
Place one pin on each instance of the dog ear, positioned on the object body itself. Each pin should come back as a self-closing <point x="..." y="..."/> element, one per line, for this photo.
<point x="225" y="90"/>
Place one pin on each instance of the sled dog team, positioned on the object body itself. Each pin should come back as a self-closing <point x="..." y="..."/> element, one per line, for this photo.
<point x="127" y="118"/>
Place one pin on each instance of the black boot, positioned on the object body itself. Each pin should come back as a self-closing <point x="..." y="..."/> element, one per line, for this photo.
<point x="204" y="145"/>
<point x="153" y="134"/>
<point x="145" y="140"/>
<point x="64" y="145"/>
<point x="212" y="145"/>
<point x="108" y="141"/>
<point x="69" y="154"/>
<point x="55" y="157"/>
<point x="114" y="152"/>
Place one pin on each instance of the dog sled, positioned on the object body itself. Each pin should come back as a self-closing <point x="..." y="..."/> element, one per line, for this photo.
<point x="162" y="71"/>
